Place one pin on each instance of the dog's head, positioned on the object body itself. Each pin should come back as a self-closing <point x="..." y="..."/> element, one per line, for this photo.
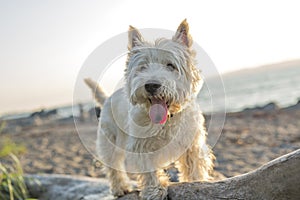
<point x="162" y="73"/>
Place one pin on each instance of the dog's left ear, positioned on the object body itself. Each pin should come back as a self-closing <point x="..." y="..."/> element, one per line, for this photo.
<point x="134" y="38"/>
<point x="182" y="34"/>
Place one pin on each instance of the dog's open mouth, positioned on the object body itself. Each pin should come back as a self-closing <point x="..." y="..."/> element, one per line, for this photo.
<point x="158" y="111"/>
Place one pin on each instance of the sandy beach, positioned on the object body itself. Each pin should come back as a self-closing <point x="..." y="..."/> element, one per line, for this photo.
<point x="249" y="139"/>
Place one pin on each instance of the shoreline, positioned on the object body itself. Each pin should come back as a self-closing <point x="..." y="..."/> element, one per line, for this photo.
<point x="249" y="139"/>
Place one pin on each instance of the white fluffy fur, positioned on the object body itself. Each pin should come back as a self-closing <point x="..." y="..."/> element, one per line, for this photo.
<point x="127" y="139"/>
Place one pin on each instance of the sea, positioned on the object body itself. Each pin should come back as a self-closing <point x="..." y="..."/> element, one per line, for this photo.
<point x="254" y="87"/>
<point x="232" y="92"/>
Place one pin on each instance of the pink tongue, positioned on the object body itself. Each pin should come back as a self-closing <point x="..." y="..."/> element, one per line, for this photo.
<point x="158" y="112"/>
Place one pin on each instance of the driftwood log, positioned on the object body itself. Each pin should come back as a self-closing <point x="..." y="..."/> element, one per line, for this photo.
<point x="278" y="179"/>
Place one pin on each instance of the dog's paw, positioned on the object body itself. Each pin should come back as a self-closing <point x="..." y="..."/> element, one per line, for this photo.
<point x="121" y="190"/>
<point x="154" y="193"/>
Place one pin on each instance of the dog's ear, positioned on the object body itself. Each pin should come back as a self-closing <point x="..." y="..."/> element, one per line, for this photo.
<point x="182" y="34"/>
<point x="134" y="38"/>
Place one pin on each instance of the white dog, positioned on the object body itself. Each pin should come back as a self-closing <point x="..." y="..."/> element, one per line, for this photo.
<point x="154" y="120"/>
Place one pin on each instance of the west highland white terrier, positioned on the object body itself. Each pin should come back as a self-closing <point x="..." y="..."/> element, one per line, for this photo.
<point x="154" y="120"/>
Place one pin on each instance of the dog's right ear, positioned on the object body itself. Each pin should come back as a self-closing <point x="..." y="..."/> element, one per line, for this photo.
<point x="134" y="38"/>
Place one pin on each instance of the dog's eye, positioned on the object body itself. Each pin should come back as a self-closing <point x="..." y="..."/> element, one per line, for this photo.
<point x="171" y="67"/>
<point x="142" y="67"/>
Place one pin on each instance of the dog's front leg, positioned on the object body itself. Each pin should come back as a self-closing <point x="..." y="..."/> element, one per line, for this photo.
<point x="195" y="164"/>
<point x="154" y="185"/>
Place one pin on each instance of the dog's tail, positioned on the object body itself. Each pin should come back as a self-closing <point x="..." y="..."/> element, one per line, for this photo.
<point x="98" y="92"/>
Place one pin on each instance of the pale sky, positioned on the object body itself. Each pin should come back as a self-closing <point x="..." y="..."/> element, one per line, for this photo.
<point x="43" y="44"/>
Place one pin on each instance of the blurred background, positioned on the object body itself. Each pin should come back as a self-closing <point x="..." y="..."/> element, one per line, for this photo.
<point x="45" y="43"/>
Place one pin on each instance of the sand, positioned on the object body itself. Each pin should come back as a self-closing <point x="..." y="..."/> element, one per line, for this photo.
<point x="248" y="140"/>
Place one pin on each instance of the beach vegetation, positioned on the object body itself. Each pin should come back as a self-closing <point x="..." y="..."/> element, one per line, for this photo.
<point x="12" y="183"/>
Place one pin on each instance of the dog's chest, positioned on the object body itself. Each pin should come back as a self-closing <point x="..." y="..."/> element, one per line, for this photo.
<point x="150" y="144"/>
<point x="175" y="133"/>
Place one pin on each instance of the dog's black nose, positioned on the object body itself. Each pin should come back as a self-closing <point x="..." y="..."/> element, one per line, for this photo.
<point x="152" y="87"/>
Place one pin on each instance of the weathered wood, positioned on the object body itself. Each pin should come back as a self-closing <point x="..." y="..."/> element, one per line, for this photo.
<point x="64" y="187"/>
<point x="278" y="179"/>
